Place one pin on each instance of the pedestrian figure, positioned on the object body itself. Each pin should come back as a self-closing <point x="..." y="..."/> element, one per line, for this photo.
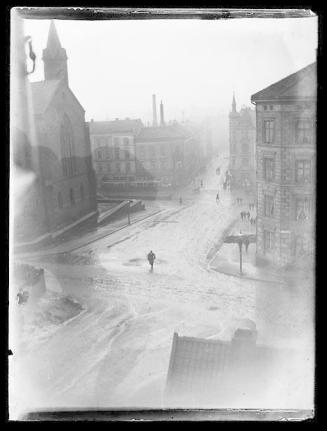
<point x="217" y="197"/>
<point x="241" y="214"/>
<point x="151" y="258"/>
<point x="246" y="242"/>
<point x="180" y="200"/>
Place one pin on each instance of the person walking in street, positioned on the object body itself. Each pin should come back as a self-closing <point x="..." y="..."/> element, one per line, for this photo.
<point x="151" y="259"/>
<point x="242" y="215"/>
<point x="246" y="242"/>
<point x="217" y="197"/>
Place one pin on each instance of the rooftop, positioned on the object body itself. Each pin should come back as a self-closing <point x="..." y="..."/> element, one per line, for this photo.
<point x="42" y="94"/>
<point x="200" y="368"/>
<point x="299" y="85"/>
<point x="116" y="126"/>
<point x="174" y="131"/>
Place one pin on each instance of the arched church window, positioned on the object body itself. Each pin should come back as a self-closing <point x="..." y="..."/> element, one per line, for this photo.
<point x="60" y="201"/>
<point x="68" y="157"/>
<point x="72" y="197"/>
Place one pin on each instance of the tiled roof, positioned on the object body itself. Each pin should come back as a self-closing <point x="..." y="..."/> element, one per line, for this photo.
<point x="42" y="94"/>
<point x="162" y="133"/>
<point x="201" y="368"/>
<point x="116" y="126"/>
<point x="301" y="84"/>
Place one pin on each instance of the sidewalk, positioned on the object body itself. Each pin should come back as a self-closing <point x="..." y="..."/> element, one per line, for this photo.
<point x="82" y="236"/>
<point x="227" y="259"/>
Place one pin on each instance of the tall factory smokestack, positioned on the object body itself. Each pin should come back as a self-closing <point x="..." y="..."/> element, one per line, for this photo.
<point x="162" y="119"/>
<point x="154" y="109"/>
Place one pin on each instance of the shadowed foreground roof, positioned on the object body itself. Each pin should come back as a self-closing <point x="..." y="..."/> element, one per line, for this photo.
<point x="206" y="372"/>
<point x="300" y="85"/>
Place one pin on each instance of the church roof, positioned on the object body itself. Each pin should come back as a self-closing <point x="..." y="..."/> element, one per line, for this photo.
<point x="299" y="85"/>
<point x="116" y="126"/>
<point x="174" y="131"/>
<point x="44" y="91"/>
<point x="42" y="94"/>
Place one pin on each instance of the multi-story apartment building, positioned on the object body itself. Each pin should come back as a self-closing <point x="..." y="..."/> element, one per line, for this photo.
<point x="286" y="159"/>
<point x="113" y="149"/>
<point x="167" y="154"/>
<point x="242" y="135"/>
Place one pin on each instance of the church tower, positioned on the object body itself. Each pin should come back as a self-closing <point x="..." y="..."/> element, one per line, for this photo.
<point x="54" y="57"/>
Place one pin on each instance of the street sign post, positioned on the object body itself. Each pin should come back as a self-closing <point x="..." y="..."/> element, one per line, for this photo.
<point x="240" y="240"/>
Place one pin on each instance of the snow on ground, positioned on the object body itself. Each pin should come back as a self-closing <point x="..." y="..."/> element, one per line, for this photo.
<point x="116" y="352"/>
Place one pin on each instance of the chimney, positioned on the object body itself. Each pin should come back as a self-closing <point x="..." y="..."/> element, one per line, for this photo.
<point x="154" y="111"/>
<point x="162" y="119"/>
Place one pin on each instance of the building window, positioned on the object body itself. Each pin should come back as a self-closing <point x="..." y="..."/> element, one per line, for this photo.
<point x="67" y="148"/>
<point x="116" y="141"/>
<point x="245" y="148"/>
<point x="82" y="192"/>
<point x="153" y="164"/>
<point x="128" y="167"/>
<point x="118" y="168"/>
<point x="60" y="201"/>
<point x="162" y="150"/>
<point x="245" y="162"/>
<point x="268" y="239"/>
<point x="271" y="107"/>
<point x="99" y="155"/>
<point x="117" y="153"/>
<point x="108" y="168"/>
<point x="302" y="209"/>
<point x="303" y="171"/>
<point x="152" y="152"/>
<point x="72" y="197"/>
<point x="127" y="156"/>
<point x="268" y="131"/>
<point x="265" y="107"/>
<point x="304" y="131"/>
<point x="269" y="206"/>
<point x="268" y="169"/>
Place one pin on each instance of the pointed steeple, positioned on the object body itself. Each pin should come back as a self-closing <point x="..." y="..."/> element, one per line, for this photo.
<point x="54" y="57"/>
<point x="53" y="44"/>
<point x="234" y="104"/>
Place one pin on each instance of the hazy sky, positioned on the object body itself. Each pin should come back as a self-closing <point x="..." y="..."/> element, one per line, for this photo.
<point x="192" y="65"/>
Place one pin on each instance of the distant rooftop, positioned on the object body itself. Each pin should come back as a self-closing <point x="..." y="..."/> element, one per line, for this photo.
<point x="299" y="85"/>
<point x="175" y="131"/>
<point x="115" y="126"/>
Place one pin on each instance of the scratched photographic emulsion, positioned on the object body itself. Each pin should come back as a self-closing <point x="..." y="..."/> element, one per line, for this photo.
<point x="162" y="214"/>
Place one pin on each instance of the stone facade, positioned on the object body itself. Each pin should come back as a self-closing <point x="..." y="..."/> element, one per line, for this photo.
<point x="286" y="151"/>
<point x="242" y="135"/>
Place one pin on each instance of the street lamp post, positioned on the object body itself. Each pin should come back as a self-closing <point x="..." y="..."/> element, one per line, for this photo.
<point x="241" y="239"/>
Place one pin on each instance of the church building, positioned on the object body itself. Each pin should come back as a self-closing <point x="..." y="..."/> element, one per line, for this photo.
<point x="61" y="153"/>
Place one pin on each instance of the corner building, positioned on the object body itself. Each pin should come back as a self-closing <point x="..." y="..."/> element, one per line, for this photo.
<point x="286" y="163"/>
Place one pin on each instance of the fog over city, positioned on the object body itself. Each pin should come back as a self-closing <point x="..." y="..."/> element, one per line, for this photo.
<point x="192" y="65"/>
<point x="162" y="215"/>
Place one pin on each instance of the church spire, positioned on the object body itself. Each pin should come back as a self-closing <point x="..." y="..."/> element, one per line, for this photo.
<point x="54" y="57"/>
<point x="53" y="44"/>
<point x="234" y="104"/>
